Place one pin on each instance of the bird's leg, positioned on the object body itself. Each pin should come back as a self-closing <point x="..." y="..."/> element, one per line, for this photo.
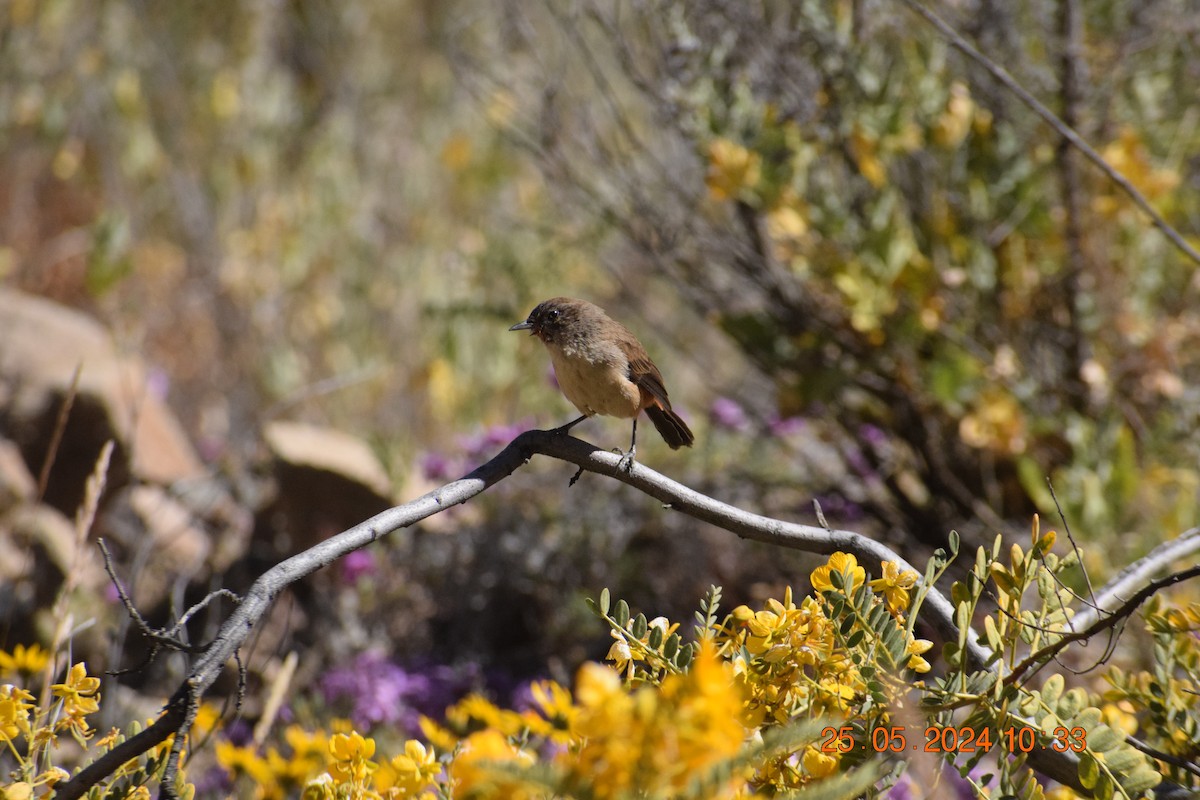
<point x="626" y="462"/>
<point x="565" y="429"/>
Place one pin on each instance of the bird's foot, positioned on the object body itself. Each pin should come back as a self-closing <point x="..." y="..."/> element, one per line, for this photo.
<point x="626" y="462"/>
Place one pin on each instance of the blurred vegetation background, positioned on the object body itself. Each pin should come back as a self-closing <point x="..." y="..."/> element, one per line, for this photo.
<point x="870" y="276"/>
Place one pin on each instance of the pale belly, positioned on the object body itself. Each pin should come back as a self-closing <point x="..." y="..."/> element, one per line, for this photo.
<point x="595" y="387"/>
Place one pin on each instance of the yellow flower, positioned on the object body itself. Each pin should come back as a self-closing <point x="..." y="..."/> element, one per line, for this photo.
<point x="352" y="754"/>
<point x="817" y="764"/>
<point x="620" y="654"/>
<point x="477" y="708"/>
<point x="79" y="698"/>
<point x="79" y="688"/>
<point x="14" y="712"/>
<point x="654" y="740"/>
<point x="895" y="586"/>
<point x="52" y="777"/>
<point x="109" y="739"/>
<point x="320" y="788"/>
<point x="438" y="736"/>
<point x="865" y="151"/>
<point x="246" y="761"/>
<point x="24" y="661"/>
<point x="559" y="712"/>
<point x="290" y="772"/>
<point x="21" y="790"/>
<point x="732" y="169"/>
<point x="915" y="649"/>
<point x="1119" y="717"/>
<point x="842" y="563"/>
<point x="208" y="716"/>
<point x="410" y="772"/>
<point x="473" y="769"/>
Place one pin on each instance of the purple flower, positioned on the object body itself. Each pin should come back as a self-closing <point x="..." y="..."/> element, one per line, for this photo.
<point x="837" y="507"/>
<point x="872" y="434"/>
<point x="727" y="413"/>
<point x="213" y="782"/>
<point x="239" y="732"/>
<point x="857" y="461"/>
<point x="479" y="445"/>
<point x="437" y="467"/>
<point x="381" y="692"/>
<point x="358" y="565"/>
<point x="377" y="690"/>
<point x="783" y="427"/>
<point x="903" y="789"/>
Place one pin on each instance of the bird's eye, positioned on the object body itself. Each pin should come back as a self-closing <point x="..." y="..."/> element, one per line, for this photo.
<point x="553" y="313"/>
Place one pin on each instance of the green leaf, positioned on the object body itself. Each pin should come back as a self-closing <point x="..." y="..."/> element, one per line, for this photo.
<point x="622" y="613"/>
<point x="1052" y="689"/>
<point x="1140" y="780"/>
<point x="1089" y="770"/>
<point x="991" y="633"/>
<point x="684" y="659"/>
<point x="672" y="646"/>
<point x="604" y="601"/>
<point x="656" y="638"/>
<point x="1102" y="738"/>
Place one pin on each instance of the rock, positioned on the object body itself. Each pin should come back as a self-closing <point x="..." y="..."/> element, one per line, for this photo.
<point x="326" y="481"/>
<point x="16" y="484"/>
<point x="41" y="346"/>
<point x="45" y="550"/>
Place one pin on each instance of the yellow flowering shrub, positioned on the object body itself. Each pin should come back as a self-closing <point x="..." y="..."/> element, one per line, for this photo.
<point x="30" y="730"/>
<point x="769" y="701"/>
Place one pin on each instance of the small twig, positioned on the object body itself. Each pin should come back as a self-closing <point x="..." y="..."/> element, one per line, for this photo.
<point x="1074" y="545"/>
<point x="1039" y="657"/>
<point x="820" y="515"/>
<point x="203" y="604"/>
<point x="1181" y="763"/>
<point x="1009" y="82"/>
<point x="163" y="638"/>
<point x="56" y="436"/>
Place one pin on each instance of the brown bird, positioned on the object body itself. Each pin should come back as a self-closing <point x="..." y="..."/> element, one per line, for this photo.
<point x="603" y="369"/>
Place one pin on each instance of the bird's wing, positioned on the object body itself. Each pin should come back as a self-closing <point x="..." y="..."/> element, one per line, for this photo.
<point x="646" y="377"/>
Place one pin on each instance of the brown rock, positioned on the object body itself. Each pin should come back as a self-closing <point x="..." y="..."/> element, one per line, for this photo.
<point x="326" y="482"/>
<point x="41" y="346"/>
<point x="16" y="484"/>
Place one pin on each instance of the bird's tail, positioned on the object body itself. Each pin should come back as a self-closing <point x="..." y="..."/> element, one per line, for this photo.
<point x="673" y="429"/>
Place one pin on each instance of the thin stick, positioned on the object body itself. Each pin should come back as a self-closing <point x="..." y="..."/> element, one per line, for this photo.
<point x="56" y="436"/>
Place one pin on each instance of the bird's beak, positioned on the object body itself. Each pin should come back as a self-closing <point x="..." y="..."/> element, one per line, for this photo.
<point x="522" y="326"/>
